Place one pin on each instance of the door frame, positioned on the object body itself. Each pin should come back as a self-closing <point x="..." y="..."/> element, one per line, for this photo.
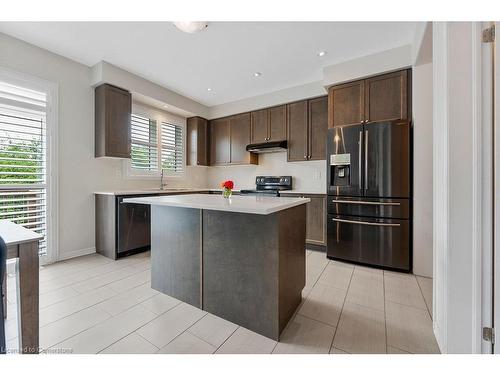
<point x="495" y="308"/>
<point x="52" y="165"/>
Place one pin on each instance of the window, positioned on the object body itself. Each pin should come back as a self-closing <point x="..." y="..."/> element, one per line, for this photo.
<point x="156" y="137"/>
<point x="144" y="144"/>
<point x="23" y="158"/>
<point x="171" y="147"/>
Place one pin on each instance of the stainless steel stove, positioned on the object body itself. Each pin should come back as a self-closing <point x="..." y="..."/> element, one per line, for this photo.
<point x="270" y="185"/>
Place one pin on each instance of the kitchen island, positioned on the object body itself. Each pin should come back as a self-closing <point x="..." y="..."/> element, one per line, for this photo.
<point x="242" y="258"/>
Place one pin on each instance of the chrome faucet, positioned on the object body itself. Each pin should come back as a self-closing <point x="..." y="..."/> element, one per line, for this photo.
<point x="162" y="185"/>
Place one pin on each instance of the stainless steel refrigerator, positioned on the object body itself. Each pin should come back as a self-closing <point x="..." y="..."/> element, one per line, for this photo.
<point x="369" y="194"/>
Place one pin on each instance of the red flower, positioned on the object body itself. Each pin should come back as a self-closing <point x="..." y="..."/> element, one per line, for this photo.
<point x="228" y="184"/>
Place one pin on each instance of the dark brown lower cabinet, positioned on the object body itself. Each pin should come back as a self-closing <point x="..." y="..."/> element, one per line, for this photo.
<point x="315" y="218"/>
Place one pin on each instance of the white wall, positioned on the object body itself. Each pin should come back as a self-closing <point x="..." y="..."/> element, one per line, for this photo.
<point x="79" y="172"/>
<point x="386" y="61"/>
<point x="308" y="176"/>
<point x="457" y="191"/>
<point x="422" y="170"/>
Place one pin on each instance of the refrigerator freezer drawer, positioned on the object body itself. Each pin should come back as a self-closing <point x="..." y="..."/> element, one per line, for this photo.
<point x="369" y="207"/>
<point x="379" y="242"/>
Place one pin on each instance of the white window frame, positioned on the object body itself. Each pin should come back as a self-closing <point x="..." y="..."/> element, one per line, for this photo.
<point x="52" y="164"/>
<point x="159" y="116"/>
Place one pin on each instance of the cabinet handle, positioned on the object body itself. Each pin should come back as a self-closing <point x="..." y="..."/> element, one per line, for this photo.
<point x="305" y="156"/>
<point x="367" y="203"/>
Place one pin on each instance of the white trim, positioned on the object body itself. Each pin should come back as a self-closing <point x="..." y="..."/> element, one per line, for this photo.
<point x="441" y="182"/>
<point x="477" y="141"/>
<point x="51" y="89"/>
<point x="496" y="229"/>
<point x="77" y="253"/>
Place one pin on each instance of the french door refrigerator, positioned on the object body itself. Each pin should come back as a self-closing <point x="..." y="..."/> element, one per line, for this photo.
<point x="369" y="194"/>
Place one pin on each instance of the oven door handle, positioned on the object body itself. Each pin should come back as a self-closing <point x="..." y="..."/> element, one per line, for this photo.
<point x="367" y="203"/>
<point x="367" y="223"/>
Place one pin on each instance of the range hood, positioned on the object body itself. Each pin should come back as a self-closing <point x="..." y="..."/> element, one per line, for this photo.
<point x="260" y="148"/>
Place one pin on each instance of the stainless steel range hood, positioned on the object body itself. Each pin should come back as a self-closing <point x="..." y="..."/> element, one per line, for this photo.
<point x="260" y="148"/>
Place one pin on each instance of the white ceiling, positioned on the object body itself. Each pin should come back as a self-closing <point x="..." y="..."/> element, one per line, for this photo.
<point x="223" y="57"/>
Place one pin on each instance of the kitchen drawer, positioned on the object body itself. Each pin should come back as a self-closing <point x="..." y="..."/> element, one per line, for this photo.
<point x="379" y="242"/>
<point x="369" y="207"/>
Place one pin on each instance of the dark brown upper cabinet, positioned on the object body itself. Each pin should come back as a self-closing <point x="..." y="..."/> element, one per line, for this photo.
<point x="297" y="131"/>
<point x="307" y="124"/>
<point x="347" y="104"/>
<point x="318" y="128"/>
<point x="277" y="123"/>
<point x="219" y="142"/>
<point x="259" y="126"/>
<point x="386" y="97"/>
<point x="113" y="111"/>
<point x="197" y="141"/>
<point x="229" y="137"/>
<point x="239" y="129"/>
<point x="268" y="124"/>
<point x="380" y="98"/>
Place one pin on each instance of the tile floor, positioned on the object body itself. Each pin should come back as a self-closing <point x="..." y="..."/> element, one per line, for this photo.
<point x="94" y="305"/>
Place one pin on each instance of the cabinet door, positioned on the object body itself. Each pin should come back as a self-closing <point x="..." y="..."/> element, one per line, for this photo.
<point x="277" y="123"/>
<point x="113" y="109"/>
<point x="318" y="128"/>
<point x="386" y="97"/>
<point x="219" y="142"/>
<point x="240" y="137"/>
<point x="316" y="220"/>
<point x="346" y="103"/>
<point x="260" y="120"/>
<point x="297" y="131"/>
<point x="197" y="141"/>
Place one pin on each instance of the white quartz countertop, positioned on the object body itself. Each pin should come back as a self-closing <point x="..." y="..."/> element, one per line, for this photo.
<point x="252" y="204"/>
<point x="14" y="234"/>
<point x="152" y="191"/>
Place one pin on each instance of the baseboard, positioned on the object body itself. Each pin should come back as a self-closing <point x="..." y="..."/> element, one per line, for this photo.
<point x="314" y="247"/>
<point x="76" y="253"/>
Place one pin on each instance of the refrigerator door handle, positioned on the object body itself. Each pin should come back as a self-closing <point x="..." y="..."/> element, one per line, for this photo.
<point x="367" y="203"/>
<point x="366" y="160"/>
<point x="360" y="158"/>
<point x="367" y="223"/>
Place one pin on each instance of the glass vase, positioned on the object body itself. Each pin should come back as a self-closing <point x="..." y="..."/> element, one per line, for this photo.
<point x="226" y="193"/>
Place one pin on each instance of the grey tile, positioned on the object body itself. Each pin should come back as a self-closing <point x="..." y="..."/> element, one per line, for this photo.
<point x="169" y="325"/>
<point x="213" y="329"/>
<point x="324" y="304"/>
<point x="71" y="325"/>
<point x="108" y="332"/>
<point x="403" y="289"/>
<point x="160" y="303"/>
<point x="425" y="284"/>
<point x="126" y="300"/>
<point x="243" y="341"/>
<point x="305" y="336"/>
<point x="334" y="350"/>
<point x="337" y="274"/>
<point x="131" y="344"/>
<point x="367" y="288"/>
<point x="393" y="350"/>
<point x="360" y="330"/>
<point x="187" y="343"/>
<point x="410" y="329"/>
<point x="317" y="259"/>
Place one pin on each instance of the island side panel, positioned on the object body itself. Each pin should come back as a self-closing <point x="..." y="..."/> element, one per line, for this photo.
<point x="176" y="252"/>
<point x="240" y="269"/>
<point x="292" y="261"/>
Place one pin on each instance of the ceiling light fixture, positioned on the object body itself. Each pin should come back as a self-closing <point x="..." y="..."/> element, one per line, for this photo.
<point x="257" y="74"/>
<point x="209" y="89"/>
<point x="322" y="53"/>
<point x="191" y="27"/>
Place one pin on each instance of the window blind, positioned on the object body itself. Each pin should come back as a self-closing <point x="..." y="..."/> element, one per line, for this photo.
<point x="144" y="143"/>
<point x="172" y="158"/>
<point x="23" y="158"/>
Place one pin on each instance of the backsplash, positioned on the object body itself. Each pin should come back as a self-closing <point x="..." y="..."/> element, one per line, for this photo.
<point x="309" y="176"/>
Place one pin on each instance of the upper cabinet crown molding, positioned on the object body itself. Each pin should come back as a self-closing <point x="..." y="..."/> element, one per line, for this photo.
<point x="113" y="111"/>
<point x="381" y="98"/>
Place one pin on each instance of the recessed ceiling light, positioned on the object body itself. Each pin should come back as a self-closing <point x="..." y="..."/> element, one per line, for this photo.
<point x="257" y="74"/>
<point x="191" y="27"/>
<point x="209" y="89"/>
<point x="165" y="106"/>
<point x="322" y="53"/>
